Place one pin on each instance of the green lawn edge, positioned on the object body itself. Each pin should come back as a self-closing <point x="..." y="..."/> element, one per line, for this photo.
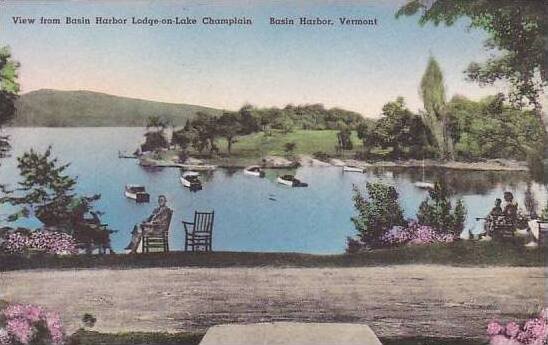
<point x="460" y="253"/>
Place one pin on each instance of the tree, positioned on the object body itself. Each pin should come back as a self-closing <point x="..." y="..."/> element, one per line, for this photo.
<point x="204" y="127"/>
<point x="517" y="31"/>
<point x="344" y="139"/>
<point x="9" y="90"/>
<point x="290" y="147"/>
<point x="437" y="211"/>
<point x="47" y="193"/>
<point x="432" y="92"/>
<point x="156" y="123"/>
<point x="376" y="214"/>
<point x="229" y="126"/>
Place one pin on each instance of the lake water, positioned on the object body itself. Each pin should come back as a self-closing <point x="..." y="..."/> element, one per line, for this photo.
<point x="251" y="214"/>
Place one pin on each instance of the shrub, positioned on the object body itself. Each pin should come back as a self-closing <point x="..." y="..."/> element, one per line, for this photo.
<point x="376" y="214"/>
<point x="26" y="324"/>
<point x="49" y="242"/>
<point x="437" y="211"/>
<point x="154" y="141"/>
<point x="320" y="155"/>
<point x="532" y="332"/>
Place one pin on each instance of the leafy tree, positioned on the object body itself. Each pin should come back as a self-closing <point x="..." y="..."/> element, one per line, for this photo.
<point x="290" y="147"/>
<point x="154" y="137"/>
<point x="247" y="119"/>
<point x="205" y="131"/>
<point x="400" y="130"/>
<point x="284" y="123"/>
<point x="9" y="90"/>
<point x="344" y="139"/>
<point x="517" y="31"/>
<point x="437" y="211"/>
<point x="229" y="126"/>
<point x="432" y="92"/>
<point x="544" y="212"/>
<point x="376" y="214"/>
<point x="156" y="123"/>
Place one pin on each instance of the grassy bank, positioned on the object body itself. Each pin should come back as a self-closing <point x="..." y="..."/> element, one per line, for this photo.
<point x="462" y="253"/>
<point x="96" y="338"/>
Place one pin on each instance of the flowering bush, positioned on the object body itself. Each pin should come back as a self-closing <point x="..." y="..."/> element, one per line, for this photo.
<point x="414" y="233"/>
<point x="26" y="324"/>
<point x="533" y="332"/>
<point x="46" y="241"/>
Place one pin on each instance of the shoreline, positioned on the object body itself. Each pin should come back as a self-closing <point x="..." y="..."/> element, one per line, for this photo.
<point x="280" y="162"/>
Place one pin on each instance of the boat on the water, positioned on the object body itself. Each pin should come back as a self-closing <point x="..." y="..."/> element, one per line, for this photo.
<point x="290" y="180"/>
<point x="254" y="170"/>
<point x="191" y="179"/>
<point x="137" y="193"/>
<point x="122" y="154"/>
<point x="352" y="168"/>
<point x="424" y="185"/>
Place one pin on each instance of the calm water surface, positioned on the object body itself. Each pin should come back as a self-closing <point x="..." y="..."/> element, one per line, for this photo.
<point x="251" y="214"/>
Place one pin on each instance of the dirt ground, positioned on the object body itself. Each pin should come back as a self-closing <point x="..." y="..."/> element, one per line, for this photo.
<point x="407" y="300"/>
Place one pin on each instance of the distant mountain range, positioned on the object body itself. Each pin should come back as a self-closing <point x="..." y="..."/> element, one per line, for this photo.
<point x="54" y="108"/>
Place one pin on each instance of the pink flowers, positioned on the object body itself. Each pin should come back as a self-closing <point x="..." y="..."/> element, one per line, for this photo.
<point x="48" y="242"/>
<point x="28" y="324"/>
<point x="414" y="233"/>
<point x="533" y="332"/>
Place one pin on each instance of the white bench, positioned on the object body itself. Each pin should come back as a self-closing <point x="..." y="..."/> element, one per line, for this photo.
<point x="291" y="333"/>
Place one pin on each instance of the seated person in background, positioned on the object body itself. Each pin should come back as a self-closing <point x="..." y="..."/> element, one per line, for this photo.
<point x="159" y="216"/>
<point x="492" y="217"/>
<point x="510" y="210"/>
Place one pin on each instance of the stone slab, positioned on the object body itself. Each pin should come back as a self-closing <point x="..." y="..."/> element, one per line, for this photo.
<point x="291" y="333"/>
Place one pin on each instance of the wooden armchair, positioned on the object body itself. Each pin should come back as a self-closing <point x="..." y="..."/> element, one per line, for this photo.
<point x="199" y="233"/>
<point x="156" y="236"/>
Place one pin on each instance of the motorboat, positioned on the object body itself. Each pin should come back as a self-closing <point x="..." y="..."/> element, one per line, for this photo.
<point x="254" y="170"/>
<point x="352" y="168"/>
<point x="290" y="180"/>
<point x="137" y="193"/>
<point x="191" y="179"/>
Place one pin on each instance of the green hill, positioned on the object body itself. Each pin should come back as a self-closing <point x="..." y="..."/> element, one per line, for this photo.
<point x="54" y="108"/>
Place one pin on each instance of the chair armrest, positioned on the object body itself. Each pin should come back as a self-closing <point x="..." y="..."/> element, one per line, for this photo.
<point x="187" y="226"/>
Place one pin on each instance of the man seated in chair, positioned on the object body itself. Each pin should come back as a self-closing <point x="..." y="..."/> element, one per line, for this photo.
<point x="157" y="220"/>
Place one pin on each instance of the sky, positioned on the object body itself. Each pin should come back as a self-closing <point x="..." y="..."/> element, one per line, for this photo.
<point x="358" y="68"/>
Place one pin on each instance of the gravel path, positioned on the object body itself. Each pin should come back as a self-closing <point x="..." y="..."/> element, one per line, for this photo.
<point x="408" y="300"/>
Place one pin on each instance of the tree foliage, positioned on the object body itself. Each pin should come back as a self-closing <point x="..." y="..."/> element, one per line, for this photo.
<point x="517" y="31"/>
<point x="47" y="193"/>
<point x="432" y="91"/>
<point x="9" y="90"/>
<point x="437" y="211"/>
<point x="376" y="213"/>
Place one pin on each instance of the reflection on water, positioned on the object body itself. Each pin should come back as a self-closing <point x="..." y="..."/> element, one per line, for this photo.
<point x="251" y="214"/>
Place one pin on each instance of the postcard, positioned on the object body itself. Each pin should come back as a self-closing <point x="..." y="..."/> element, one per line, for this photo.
<point x="273" y="172"/>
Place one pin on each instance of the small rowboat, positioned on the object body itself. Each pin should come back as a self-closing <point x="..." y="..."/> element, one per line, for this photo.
<point x="190" y="179"/>
<point x="351" y="168"/>
<point x="254" y="170"/>
<point x="424" y="185"/>
<point x="137" y="193"/>
<point x="290" y="180"/>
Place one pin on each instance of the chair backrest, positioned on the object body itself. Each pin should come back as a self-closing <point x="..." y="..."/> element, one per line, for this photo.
<point x="203" y="222"/>
<point x="170" y="214"/>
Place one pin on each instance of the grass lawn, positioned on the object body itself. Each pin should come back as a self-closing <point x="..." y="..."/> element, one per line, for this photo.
<point x="95" y="338"/>
<point x="461" y="253"/>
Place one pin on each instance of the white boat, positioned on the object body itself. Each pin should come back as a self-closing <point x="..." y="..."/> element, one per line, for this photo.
<point x="290" y="180"/>
<point x="254" y="170"/>
<point x="190" y="179"/>
<point x="424" y="185"/>
<point x="351" y="168"/>
<point x="137" y="193"/>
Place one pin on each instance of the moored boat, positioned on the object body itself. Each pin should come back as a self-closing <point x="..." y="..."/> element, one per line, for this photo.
<point x="137" y="193"/>
<point x="190" y="179"/>
<point x="424" y="185"/>
<point x="352" y="168"/>
<point x="290" y="180"/>
<point x="254" y="170"/>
